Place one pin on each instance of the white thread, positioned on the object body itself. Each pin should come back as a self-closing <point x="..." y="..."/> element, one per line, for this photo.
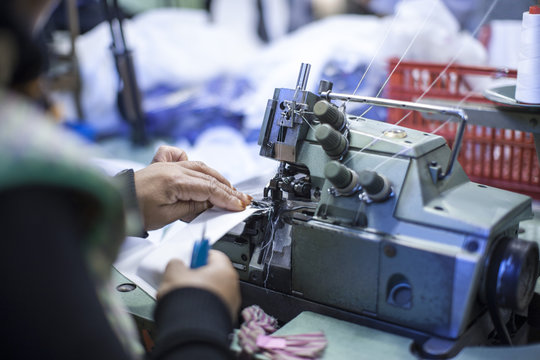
<point x="377" y="51"/>
<point x="478" y="27"/>
<point x="528" y="77"/>
<point x="402" y="55"/>
<point x="307" y="122"/>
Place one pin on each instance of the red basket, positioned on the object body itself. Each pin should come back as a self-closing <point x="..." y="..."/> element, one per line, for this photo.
<point x="497" y="157"/>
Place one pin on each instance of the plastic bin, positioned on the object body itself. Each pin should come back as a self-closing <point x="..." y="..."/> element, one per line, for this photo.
<point x="496" y="157"/>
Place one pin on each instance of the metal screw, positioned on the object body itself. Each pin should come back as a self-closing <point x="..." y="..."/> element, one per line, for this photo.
<point x="395" y="133"/>
<point x="389" y="251"/>
<point x="472" y="246"/>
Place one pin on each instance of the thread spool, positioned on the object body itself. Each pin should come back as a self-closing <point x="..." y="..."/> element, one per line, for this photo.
<point x="528" y="77"/>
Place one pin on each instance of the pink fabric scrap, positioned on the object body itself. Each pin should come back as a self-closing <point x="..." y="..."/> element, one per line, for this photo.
<point x="254" y="338"/>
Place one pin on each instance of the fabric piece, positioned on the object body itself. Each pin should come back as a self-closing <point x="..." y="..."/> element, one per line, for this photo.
<point x="254" y="338"/>
<point x="178" y="242"/>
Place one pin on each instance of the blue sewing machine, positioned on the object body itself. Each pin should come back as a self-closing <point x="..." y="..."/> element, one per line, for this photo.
<point x="374" y="234"/>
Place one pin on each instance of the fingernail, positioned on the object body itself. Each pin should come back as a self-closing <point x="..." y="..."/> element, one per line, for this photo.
<point x="247" y="199"/>
<point x="239" y="204"/>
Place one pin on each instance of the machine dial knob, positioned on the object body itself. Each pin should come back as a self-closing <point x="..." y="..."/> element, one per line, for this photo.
<point x="376" y="186"/>
<point x="332" y="141"/>
<point x="344" y="179"/>
<point x="329" y="114"/>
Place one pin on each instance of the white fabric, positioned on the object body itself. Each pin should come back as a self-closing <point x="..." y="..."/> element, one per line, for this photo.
<point x="179" y="240"/>
<point x="181" y="49"/>
<point x="171" y="47"/>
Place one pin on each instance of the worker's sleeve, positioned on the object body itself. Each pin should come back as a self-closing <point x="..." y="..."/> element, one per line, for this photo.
<point x="192" y="324"/>
<point x="125" y="181"/>
<point x="50" y="307"/>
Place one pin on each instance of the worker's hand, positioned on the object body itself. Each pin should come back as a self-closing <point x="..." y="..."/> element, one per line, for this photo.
<point x="169" y="154"/>
<point x="218" y="277"/>
<point x="173" y="188"/>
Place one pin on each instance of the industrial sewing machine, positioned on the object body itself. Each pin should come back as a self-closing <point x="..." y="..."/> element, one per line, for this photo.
<point x="379" y="225"/>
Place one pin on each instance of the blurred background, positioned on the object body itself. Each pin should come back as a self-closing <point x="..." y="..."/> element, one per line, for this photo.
<point x="131" y="75"/>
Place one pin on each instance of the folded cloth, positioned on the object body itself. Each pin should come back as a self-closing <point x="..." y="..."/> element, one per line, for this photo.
<point x="254" y="338"/>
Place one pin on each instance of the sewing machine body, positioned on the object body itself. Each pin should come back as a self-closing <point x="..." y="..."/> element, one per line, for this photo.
<point x="414" y="262"/>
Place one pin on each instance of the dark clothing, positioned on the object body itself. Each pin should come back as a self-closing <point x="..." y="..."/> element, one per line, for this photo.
<point x="62" y="224"/>
<point x="49" y="304"/>
<point x="192" y="324"/>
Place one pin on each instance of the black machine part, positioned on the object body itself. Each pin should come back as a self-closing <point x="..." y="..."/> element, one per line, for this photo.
<point x="129" y="97"/>
<point x="512" y="271"/>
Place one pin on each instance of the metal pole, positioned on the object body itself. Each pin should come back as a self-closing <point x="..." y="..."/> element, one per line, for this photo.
<point x="454" y="112"/>
<point x="303" y="76"/>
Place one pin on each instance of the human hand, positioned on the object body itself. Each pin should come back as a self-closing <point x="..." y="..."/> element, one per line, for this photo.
<point x="173" y="188"/>
<point x="167" y="153"/>
<point x="218" y="277"/>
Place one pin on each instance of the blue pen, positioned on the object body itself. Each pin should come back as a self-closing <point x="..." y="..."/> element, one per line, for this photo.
<point x="199" y="257"/>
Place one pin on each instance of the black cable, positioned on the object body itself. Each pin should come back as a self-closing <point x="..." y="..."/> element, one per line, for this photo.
<point x="129" y="97"/>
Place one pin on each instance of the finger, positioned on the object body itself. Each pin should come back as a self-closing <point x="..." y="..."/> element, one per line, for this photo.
<point x="175" y="266"/>
<point x="215" y="185"/>
<point x="201" y="167"/>
<point x="167" y="153"/>
<point x="209" y="189"/>
<point x="218" y="259"/>
<point x="176" y="272"/>
<point x="216" y="256"/>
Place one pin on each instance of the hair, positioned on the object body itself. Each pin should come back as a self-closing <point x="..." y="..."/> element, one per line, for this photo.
<point x="29" y="53"/>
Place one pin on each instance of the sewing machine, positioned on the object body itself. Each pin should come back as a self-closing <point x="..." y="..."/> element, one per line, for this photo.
<point x="379" y="225"/>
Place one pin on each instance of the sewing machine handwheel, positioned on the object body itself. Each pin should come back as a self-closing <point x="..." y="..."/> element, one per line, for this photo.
<point x="518" y="271"/>
<point x="510" y="280"/>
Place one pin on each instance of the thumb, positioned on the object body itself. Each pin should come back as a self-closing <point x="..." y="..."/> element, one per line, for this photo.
<point x="169" y="154"/>
<point x="175" y="266"/>
<point x="174" y="270"/>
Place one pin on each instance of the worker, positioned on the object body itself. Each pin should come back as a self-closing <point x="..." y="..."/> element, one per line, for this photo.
<point x="63" y="221"/>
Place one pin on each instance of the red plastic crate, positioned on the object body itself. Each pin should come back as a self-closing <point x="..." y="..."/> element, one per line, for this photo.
<point x="497" y="157"/>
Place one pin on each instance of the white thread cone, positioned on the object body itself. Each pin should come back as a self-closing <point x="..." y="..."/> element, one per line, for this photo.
<point x="528" y="77"/>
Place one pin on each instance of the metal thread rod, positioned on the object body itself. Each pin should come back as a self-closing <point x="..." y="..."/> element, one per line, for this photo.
<point x="426" y="108"/>
<point x="303" y="76"/>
